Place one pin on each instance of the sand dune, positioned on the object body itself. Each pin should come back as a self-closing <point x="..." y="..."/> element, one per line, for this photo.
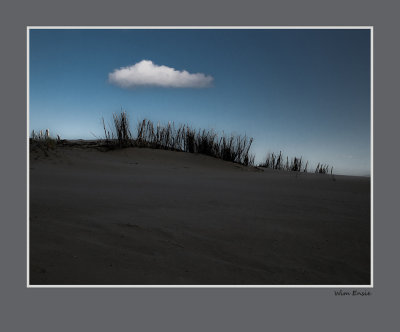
<point x="144" y="217"/>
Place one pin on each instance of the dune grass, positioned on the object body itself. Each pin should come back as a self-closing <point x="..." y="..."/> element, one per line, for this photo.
<point x="234" y="148"/>
<point x="43" y="140"/>
<point x="296" y="164"/>
<point x="182" y="137"/>
<point x="120" y="134"/>
<point x="323" y="169"/>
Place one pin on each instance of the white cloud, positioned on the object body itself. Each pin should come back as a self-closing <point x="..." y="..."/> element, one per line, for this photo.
<point x="146" y="73"/>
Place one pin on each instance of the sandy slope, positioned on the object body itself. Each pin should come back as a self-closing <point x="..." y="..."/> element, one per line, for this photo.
<point x="140" y="216"/>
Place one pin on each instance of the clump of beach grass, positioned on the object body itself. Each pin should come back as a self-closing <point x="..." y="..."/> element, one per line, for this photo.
<point x="43" y="141"/>
<point x="121" y="125"/>
<point x="323" y="169"/>
<point x="296" y="164"/>
<point x="234" y="148"/>
<point x="120" y="134"/>
<point x="274" y="161"/>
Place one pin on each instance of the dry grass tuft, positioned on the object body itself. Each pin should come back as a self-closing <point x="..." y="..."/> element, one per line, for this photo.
<point x="179" y="138"/>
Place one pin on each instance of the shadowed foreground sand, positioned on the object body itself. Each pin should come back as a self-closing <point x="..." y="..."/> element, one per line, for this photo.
<point x="141" y="216"/>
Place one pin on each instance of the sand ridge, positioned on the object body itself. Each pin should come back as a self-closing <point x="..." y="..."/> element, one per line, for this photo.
<point x="140" y="216"/>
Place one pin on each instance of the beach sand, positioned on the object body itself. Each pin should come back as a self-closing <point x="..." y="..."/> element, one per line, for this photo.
<point x="140" y="216"/>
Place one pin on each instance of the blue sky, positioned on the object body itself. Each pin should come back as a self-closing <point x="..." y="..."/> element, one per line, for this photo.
<point x="299" y="91"/>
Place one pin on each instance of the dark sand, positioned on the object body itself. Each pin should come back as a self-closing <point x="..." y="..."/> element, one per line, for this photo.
<point x="153" y="217"/>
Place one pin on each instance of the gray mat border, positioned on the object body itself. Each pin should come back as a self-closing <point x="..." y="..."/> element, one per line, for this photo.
<point x="195" y="309"/>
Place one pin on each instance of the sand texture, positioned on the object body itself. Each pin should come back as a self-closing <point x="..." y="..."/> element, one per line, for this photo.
<point x="151" y="217"/>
